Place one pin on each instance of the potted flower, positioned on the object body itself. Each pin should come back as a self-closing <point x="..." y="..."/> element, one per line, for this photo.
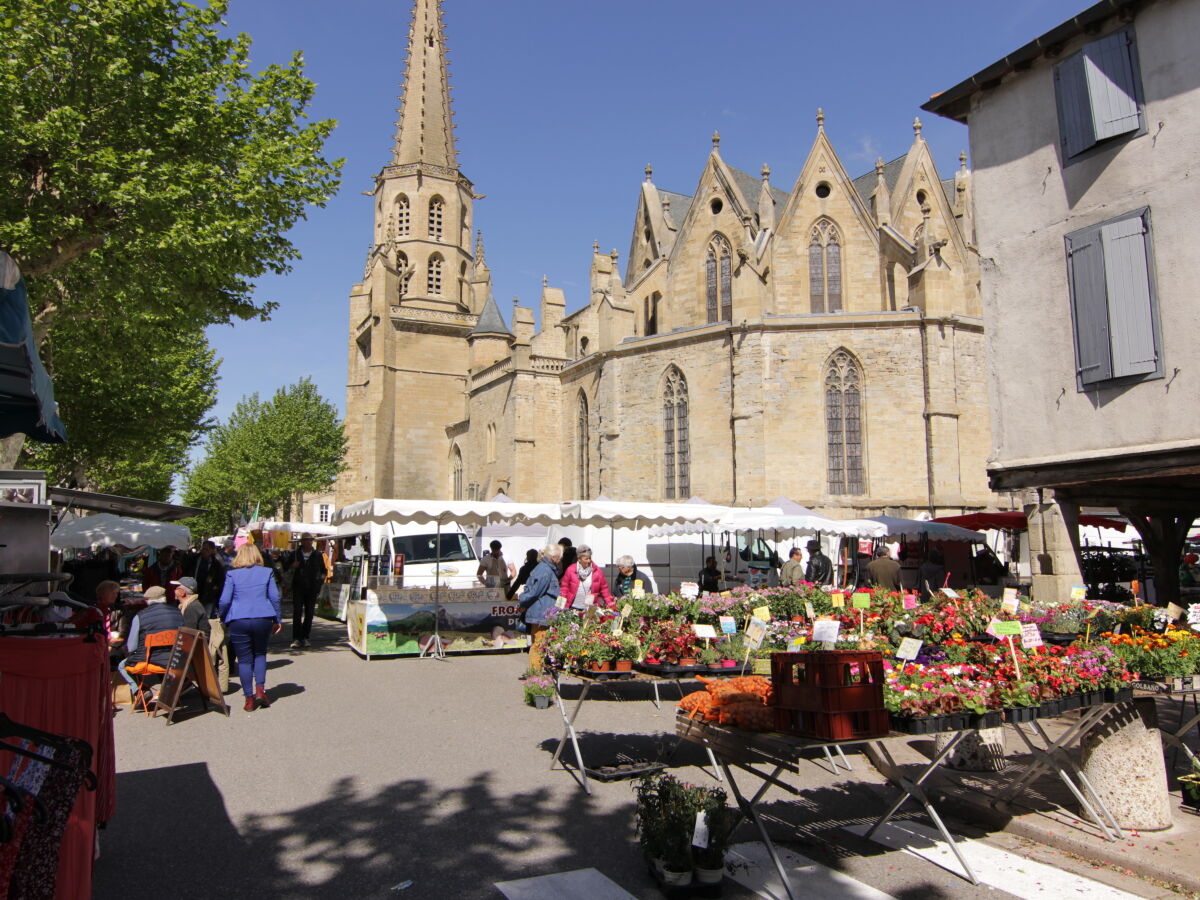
<point x="709" y="655"/>
<point x="538" y="690"/>
<point x="709" y="861"/>
<point x="666" y="817"/>
<point x="732" y="650"/>
<point x="627" y="652"/>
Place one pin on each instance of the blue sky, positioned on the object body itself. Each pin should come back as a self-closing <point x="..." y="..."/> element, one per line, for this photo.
<point x="559" y="106"/>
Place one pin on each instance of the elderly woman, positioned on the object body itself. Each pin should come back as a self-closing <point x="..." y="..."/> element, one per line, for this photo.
<point x="541" y="591"/>
<point x="250" y="608"/>
<point x="584" y="584"/>
<point x="627" y="577"/>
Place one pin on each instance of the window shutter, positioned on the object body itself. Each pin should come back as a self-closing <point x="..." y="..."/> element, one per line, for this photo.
<point x="1127" y="279"/>
<point x="1074" y="106"/>
<point x="1089" y="306"/>
<point x="1109" y="69"/>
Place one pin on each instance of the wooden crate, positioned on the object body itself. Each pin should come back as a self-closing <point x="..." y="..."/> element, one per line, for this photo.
<point x="833" y="726"/>
<point x="828" y="681"/>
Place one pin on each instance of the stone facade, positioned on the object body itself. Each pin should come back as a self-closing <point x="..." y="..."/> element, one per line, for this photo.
<point x="823" y="343"/>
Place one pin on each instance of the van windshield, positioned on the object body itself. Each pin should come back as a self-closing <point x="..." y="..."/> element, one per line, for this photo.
<point x="423" y="548"/>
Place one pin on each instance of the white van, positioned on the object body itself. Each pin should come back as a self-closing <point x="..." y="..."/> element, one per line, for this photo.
<point x="380" y="544"/>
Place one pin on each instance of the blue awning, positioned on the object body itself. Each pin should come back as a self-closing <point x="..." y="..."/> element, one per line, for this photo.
<point x="26" y="393"/>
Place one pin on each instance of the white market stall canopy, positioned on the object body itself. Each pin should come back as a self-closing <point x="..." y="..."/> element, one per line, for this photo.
<point x="475" y="513"/>
<point x="106" y="530"/>
<point x="935" y="531"/>
<point x="316" y="529"/>
<point x="776" y="519"/>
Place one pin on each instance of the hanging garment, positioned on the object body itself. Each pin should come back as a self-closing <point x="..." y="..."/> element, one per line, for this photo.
<point x="28" y="775"/>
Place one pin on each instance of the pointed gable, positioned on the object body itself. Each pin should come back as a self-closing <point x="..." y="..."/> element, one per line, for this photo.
<point x="918" y="178"/>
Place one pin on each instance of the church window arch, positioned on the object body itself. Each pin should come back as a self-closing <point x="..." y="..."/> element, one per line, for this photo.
<point x="677" y="482"/>
<point x="825" y="267"/>
<point x="718" y="279"/>
<point x="403" y="214"/>
<point x="456" y="473"/>
<point x="843" y="424"/>
<point x="433" y="275"/>
<point x="583" y="468"/>
<point x="437" y="214"/>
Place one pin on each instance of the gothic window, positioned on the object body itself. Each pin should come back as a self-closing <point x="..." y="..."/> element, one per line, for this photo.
<point x="582" y="450"/>
<point x="434" y="275"/>
<point x="825" y="268"/>
<point x="677" y="482"/>
<point x="843" y="424"/>
<point x="718" y="280"/>
<point x="651" y="312"/>
<point x="919" y="235"/>
<point x="456" y="473"/>
<point x="436" y="213"/>
<point x="403" y="216"/>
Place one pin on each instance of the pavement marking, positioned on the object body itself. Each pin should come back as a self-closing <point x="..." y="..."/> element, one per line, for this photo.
<point x="1013" y="874"/>
<point x="581" y="884"/>
<point x="752" y="868"/>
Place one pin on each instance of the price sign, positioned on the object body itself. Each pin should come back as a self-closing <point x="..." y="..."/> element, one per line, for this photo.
<point x="991" y="629"/>
<point x="562" y="602"/>
<point x="1174" y="611"/>
<point x="727" y="594"/>
<point x="689" y="590"/>
<point x="1003" y="629"/>
<point x="1031" y="635"/>
<point x="910" y="601"/>
<point x="950" y="592"/>
<point x="1010" y="605"/>
<point x="796" y="644"/>
<point x="755" y="632"/>
<point x="762" y="612"/>
<point x="700" y="832"/>
<point x="704" y="631"/>
<point x="909" y="648"/>
<point x="1009" y="594"/>
<point x="626" y="610"/>
<point x="728" y="624"/>
<point x="838" y="601"/>
<point x="639" y="590"/>
<point x="1078" y="592"/>
<point x="812" y="613"/>
<point x="826" y="630"/>
<point x="861" y="600"/>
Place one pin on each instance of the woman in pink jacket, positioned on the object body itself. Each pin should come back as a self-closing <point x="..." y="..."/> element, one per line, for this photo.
<point x="583" y="579"/>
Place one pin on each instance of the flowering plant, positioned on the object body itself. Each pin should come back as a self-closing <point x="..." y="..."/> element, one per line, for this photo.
<point x="536" y="685"/>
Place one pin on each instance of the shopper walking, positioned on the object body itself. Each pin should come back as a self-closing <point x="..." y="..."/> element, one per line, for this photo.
<point x="308" y="575"/>
<point x="250" y="609"/>
<point x="541" y="591"/>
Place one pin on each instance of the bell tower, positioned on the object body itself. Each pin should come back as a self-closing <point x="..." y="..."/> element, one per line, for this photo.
<point x="411" y="313"/>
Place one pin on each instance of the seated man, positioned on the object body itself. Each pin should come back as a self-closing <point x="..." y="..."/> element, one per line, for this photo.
<point x="190" y="607"/>
<point x="159" y="615"/>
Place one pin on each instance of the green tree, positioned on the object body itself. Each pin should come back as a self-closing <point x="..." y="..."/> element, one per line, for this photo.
<point x="134" y="393"/>
<point x="264" y="455"/>
<point x="143" y="168"/>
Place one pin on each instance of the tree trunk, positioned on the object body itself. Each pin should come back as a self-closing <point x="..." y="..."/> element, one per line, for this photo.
<point x="10" y="450"/>
<point x="1164" y="535"/>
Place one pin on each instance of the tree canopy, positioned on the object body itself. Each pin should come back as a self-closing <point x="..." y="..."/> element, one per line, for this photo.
<point x="264" y="455"/>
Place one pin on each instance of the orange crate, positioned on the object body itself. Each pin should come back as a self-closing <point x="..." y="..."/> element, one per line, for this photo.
<point x="828" y="681"/>
<point x="833" y="726"/>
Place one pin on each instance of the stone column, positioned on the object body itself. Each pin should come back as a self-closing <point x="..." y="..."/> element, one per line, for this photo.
<point x="978" y="751"/>
<point x="1053" y="535"/>
<point x="1123" y="760"/>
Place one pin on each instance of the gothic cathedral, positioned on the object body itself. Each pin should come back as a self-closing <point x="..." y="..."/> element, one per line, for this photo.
<point x="823" y="344"/>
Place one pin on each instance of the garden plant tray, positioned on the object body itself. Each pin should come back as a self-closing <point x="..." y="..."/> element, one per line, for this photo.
<point x="930" y="724"/>
<point x="630" y="768"/>
<point x="671" y="669"/>
<point x="607" y="675"/>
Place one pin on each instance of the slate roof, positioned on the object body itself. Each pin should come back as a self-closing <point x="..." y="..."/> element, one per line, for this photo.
<point x="490" y="320"/>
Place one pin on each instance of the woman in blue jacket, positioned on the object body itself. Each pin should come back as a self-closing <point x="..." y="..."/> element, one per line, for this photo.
<point x="541" y="590"/>
<point x="250" y="609"/>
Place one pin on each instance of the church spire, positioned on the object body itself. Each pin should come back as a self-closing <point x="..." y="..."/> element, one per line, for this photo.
<point x="425" y="130"/>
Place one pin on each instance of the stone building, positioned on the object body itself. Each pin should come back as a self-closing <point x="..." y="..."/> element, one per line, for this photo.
<point x="1084" y="142"/>
<point x="823" y="343"/>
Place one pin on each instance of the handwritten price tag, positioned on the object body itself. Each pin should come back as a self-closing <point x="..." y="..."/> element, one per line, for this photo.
<point x="909" y="648"/>
<point x="704" y="631"/>
<point x="808" y="608"/>
<point x="562" y="602"/>
<point x="689" y="590"/>
<point x="826" y="630"/>
<point x="755" y="632"/>
<point x="1003" y="629"/>
<point x="861" y="600"/>
<point x="910" y="601"/>
<point x="1009" y="594"/>
<point x="1010" y="605"/>
<point x="1174" y="611"/>
<point x="796" y="644"/>
<point x="950" y="592"/>
<point x="1031" y="636"/>
<point x="838" y="601"/>
<point x="1078" y="592"/>
<point x="626" y="610"/>
<point x="762" y="612"/>
<point x="728" y="625"/>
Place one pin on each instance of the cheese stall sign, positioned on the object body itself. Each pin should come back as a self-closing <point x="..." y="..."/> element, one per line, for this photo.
<point x="396" y="621"/>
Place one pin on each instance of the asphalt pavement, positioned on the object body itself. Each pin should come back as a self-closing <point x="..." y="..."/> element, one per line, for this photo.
<point x="407" y="778"/>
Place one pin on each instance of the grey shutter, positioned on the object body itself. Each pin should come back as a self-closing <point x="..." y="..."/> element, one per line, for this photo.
<point x="1109" y="69"/>
<point x="1089" y="306"/>
<point x="1127" y="279"/>
<point x="1074" y="106"/>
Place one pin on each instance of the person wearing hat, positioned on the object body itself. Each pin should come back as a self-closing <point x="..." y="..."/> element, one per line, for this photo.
<point x="193" y="611"/>
<point x="308" y="575"/>
<point x="165" y="569"/>
<point x="159" y="615"/>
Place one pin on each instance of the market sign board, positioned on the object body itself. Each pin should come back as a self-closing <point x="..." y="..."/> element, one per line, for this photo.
<point x="396" y="621"/>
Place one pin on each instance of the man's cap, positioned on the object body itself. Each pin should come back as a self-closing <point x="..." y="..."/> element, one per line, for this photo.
<point x="814" y="544"/>
<point x="155" y="593"/>
<point x="187" y="582"/>
<point x="307" y="536"/>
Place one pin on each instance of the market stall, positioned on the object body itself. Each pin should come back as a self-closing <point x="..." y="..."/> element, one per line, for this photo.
<point x="108" y="530"/>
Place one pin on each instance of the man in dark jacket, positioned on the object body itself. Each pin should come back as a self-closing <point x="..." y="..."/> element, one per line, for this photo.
<point x="308" y="575"/>
<point x="210" y="577"/>
<point x="165" y="570"/>
<point x="820" y="568"/>
<point x="159" y="615"/>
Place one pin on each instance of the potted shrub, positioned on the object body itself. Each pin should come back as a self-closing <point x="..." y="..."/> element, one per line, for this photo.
<point x="666" y="816"/>
<point x="538" y="690"/>
<point x="709" y="862"/>
<point x="709" y="656"/>
<point x="628" y="651"/>
<point x="732" y="649"/>
<point x="1189" y="786"/>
